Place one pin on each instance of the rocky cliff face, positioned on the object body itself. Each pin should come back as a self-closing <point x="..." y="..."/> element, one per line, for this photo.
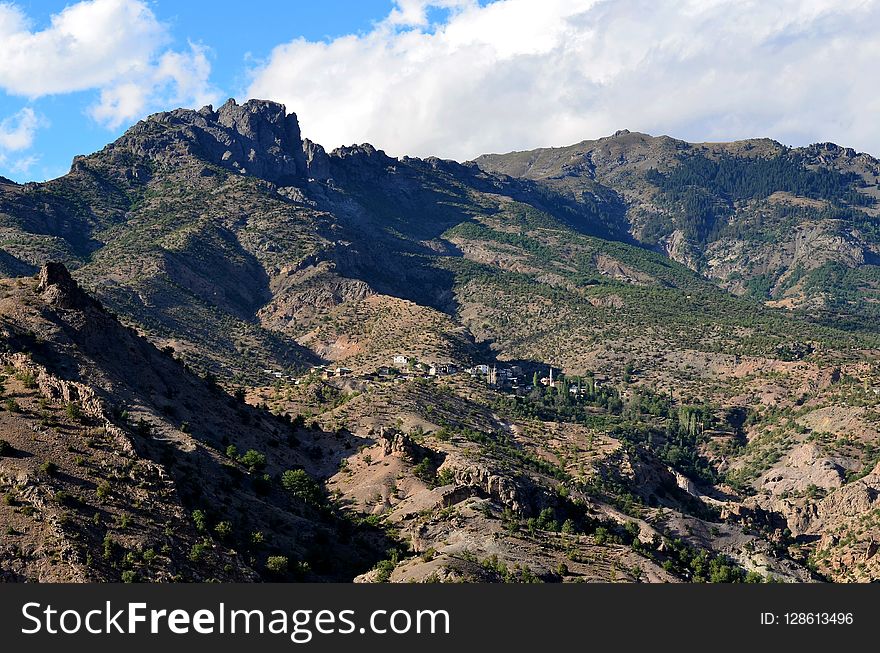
<point x="257" y="138"/>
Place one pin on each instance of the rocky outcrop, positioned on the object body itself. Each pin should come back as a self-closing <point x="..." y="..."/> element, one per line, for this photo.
<point x="257" y="138"/>
<point x="804" y="466"/>
<point x="300" y="292"/>
<point x="63" y="391"/>
<point x="360" y="163"/>
<point x="799" y="250"/>
<point x="396" y="443"/>
<point x="501" y="488"/>
<point x="754" y="517"/>
<point x="59" y="289"/>
<point x="317" y="161"/>
<point x="468" y="480"/>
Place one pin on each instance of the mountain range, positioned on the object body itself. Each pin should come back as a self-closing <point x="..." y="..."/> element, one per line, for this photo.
<point x="232" y="354"/>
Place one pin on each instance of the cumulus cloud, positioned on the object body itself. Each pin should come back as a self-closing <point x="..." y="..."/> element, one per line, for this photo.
<point x="117" y="47"/>
<point x="518" y="74"/>
<point x="23" y="165"/>
<point x="178" y="78"/>
<point x="87" y="45"/>
<point x="17" y="131"/>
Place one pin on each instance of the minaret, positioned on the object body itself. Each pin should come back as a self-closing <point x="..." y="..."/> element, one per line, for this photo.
<point x="551" y="376"/>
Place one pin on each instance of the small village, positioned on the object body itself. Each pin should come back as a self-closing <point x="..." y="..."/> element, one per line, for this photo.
<point x="510" y="379"/>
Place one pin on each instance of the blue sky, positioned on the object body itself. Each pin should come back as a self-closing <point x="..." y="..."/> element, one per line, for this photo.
<point x="452" y="78"/>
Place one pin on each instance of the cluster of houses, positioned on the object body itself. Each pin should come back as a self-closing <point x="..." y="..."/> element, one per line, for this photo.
<point x="328" y="372"/>
<point x="512" y="379"/>
<point x="408" y="366"/>
<point x="324" y="371"/>
<point x="279" y="376"/>
<point x="506" y="378"/>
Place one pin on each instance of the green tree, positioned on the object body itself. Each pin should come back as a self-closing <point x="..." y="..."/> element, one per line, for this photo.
<point x="197" y="552"/>
<point x="74" y="412"/>
<point x="109" y="547"/>
<point x="425" y="471"/>
<point x="253" y="460"/>
<point x="200" y="519"/>
<point x="103" y="490"/>
<point x="301" y="486"/>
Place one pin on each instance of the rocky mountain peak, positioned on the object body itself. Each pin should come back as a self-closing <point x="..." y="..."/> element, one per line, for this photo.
<point x="258" y="138"/>
<point x="316" y="160"/>
<point x="830" y="149"/>
<point x="264" y="123"/>
<point x="60" y="289"/>
<point x="364" y="150"/>
<point x="360" y="162"/>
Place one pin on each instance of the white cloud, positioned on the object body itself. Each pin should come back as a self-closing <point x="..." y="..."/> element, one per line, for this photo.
<point x="87" y="45"/>
<point x="118" y="103"/>
<point x="178" y="78"/>
<point x="17" y="131"/>
<point x="518" y="74"/>
<point x="189" y="72"/>
<point x="24" y="164"/>
<point x="117" y="47"/>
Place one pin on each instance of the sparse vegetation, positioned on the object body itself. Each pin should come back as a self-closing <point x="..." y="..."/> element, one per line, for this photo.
<point x="278" y="564"/>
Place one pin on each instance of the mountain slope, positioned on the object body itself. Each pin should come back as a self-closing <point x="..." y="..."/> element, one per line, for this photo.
<point x="116" y="460"/>
<point x="708" y="309"/>
<point x="758" y="217"/>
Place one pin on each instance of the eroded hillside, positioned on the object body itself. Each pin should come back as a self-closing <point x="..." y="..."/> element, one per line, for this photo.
<point x="120" y="463"/>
